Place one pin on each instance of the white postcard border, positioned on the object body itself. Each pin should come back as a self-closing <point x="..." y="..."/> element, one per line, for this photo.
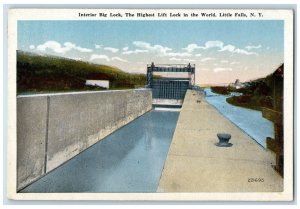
<point x="73" y="14"/>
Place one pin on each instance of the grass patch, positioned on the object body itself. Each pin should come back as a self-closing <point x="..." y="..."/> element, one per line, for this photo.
<point x="38" y="74"/>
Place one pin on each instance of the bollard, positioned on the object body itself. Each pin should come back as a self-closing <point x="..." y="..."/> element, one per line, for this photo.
<point x="223" y="140"/>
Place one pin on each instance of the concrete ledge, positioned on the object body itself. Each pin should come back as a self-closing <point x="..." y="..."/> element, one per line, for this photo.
<point x="54" y="128"/>
<point x="195" y="164"/>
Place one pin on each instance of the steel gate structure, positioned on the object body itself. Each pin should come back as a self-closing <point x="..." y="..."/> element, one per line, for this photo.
<point x="170" y="90"/>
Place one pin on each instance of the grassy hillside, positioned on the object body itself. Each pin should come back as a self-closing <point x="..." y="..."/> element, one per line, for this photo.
<point x="37" y="73"/>
<point x="257" y="94"/>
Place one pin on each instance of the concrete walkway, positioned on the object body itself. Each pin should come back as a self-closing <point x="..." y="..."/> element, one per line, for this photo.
<point x="195" y="164"/>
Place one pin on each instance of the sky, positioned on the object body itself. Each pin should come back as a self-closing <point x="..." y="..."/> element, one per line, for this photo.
<point x="222" y="51"/>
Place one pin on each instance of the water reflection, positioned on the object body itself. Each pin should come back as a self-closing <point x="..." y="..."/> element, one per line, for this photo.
<point x="148" y="133"/>
<point x="129" y="160"/>
<point x="250" y="121"/>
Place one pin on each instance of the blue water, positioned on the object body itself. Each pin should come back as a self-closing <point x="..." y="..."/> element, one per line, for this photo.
<point x="250" y="121"/>
<point x="129" y="160"/>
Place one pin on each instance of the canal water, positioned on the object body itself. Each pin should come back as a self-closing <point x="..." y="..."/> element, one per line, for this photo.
<point x="129" y="160"/>
<point x="250" y="121"/>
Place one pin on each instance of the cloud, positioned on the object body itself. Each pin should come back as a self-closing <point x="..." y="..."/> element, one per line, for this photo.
<point x="229" y="47"/>
<point x="54" y="46"/>
<point x="175" y="59"/>
<point x="189" y="60"/>
<point x="98" y="46"/>
<point x="113" y="50"/>
<point x="119" y="59"/>
<point x="137" y="51"/>
<point x="160" y="50"/>
<point x="125" y="48"/>
<point x="180" y="59"/>
<point x="142" y="44"/>
<point x="166" y="51"/>
<point x="105" y="57"/>
<point x="242" y="51"/>
<point x="207" y="59"/>
<point x="99" y="56"/>
<point x="191" y="47"/>
<point x="178" y="54"/>
<point x="75" y="58"/>
<point x="78" y="48"/>
<point x="213" y="44"/>
<point x="58" y="48"/>
<point x="234" y="63"/>
<point x="31" y="47"/>
<point x="233" y="49"/>
<point x="220" y="69"/>
<point x="224" y="61"/>
<point x="253" y="47"/>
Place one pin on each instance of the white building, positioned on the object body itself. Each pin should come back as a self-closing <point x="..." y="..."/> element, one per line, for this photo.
<point x="101" y="83"/>
<point x="237" y="84"/>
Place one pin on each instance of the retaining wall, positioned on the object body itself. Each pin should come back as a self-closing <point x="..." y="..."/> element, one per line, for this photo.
<point x="53" y="128"/>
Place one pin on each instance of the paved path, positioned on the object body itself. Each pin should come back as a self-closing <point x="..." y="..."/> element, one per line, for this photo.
<point x="195" y="164"/>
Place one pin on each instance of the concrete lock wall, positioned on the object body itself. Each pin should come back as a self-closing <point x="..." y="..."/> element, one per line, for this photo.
<point x="31" y="134"/>
<point x="52" y="129"/>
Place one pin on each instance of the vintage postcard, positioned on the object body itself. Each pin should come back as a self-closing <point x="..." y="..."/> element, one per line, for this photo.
<point x="150" y="104"/>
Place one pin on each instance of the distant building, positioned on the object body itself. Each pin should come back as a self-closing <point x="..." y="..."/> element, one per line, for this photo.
<point x="237" y="84"/>
<point x="100" y="83"/>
